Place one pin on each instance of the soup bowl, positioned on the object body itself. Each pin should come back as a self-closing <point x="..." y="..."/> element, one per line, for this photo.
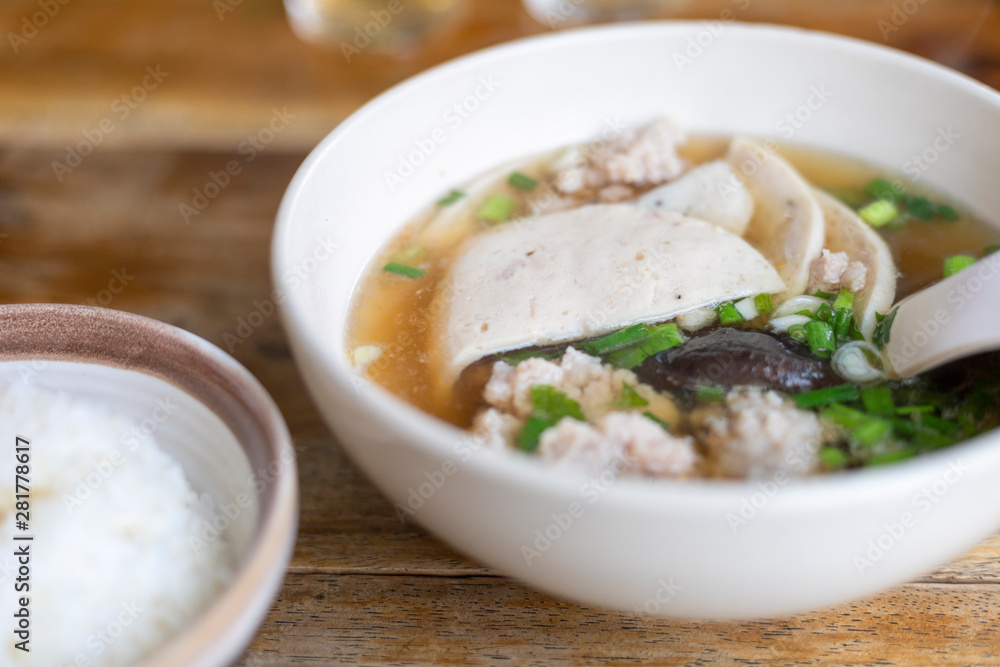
<point x="703" y="548"/>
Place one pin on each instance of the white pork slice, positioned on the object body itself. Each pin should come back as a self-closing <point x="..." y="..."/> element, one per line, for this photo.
<point x="709" y="192"/>
<point x="579" y="273"/>
<point x="787" y="225"/>
<point x="847" y="233"/>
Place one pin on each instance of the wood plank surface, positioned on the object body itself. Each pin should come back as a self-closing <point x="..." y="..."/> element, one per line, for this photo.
<point x="364" y="588"/>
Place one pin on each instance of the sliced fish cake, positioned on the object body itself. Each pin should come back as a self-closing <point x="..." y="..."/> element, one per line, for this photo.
<point x="709" y="192"/>
<point x="787" y="225"/>
<point x="581" y="273"/>
<point x="846" y="232"/>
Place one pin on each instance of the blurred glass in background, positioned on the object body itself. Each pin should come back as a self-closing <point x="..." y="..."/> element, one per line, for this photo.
<point x="385" y="27"/>
<point x="565" y="13"/>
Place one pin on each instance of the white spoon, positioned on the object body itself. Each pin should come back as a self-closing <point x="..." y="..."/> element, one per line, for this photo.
<point x="955" y="318"/>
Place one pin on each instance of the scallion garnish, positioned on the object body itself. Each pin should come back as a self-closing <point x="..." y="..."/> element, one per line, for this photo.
<point x="878" y="400"/>
<point x="864" y="429"/>
<point x="550" y="405"/>
<point x="845" y="299"/>
<point x="522" y="182"/>
<point x="879" y="213"/>
<point x="531" y="434"/>
<point x="660" y="337"/>
<point x="880" y="336"/>
<point x="914" y="409"/>
<point x="826" y="396"/>
<point x="728" y="314"/>
<point x="710" y="393"/>
<point x="496" y="209"/>
<point x="631" y="398"/>
<point x="403" y="270"/>
<point x="411" y="253"/>
<point x="956" y="263"/>
<point x="821" y="337"/>
<point x="764" y="304"/>
<point x="665" y="425"/>
<point x="617" y="340"/>
<point x="946" y="212"/>
<point x="833" y="458"/>
<point x="990" y="249"/>
<point x="450" y="198"/>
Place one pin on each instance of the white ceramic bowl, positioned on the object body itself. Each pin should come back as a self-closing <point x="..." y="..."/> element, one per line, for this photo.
<point x="669" y="548"/>
<point x="219" y="424"/>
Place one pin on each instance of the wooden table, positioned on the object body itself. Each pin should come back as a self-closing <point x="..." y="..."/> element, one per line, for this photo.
<point x="363" y="588"/>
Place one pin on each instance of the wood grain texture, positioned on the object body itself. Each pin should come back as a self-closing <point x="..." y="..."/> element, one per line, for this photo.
<point x="228" y="71"/>
<point x="364" y="588"/>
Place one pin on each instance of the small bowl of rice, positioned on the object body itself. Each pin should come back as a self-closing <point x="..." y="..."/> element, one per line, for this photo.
<point x="148" y="491"/>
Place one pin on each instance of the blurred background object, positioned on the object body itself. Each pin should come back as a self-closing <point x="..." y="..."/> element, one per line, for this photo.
<point x="388" y="27"/>
<point x="565" y="13"/>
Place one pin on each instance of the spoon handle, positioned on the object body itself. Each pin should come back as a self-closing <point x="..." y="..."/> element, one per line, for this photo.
<point x="955" y="318"/>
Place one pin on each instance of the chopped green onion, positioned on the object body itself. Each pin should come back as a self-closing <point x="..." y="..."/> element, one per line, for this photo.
<point x="450" y="198"/>
<point x="880" y="336"/>
<point x="517" y="356"/>
<point x="797" y="332"/>
<point x="661" y="337"/>
<point x="879" y="213"/>
<point x="531" y="434"/>
<point x="617" y="340"/>
<point x="843" y="324"/>
<point x="956" y="263"/>
<point x="946" y="212"/>
<point x="865" y="429"/>
<point x="522" y="182"/>
<point x="938" y="424"/>
<point x="665" y="425"/>
<point x="914" y="409"/>
<point x="990" y="249"/>
<point x="821" y="338"/>
<point x="764" y="304"/>
<point x="881" y="188"/>
<point x="919" y="207"/>
<point x="710" y="393"/>
<point x="496" y="208"/>
<point x="878" y="400"/>
<point x="411" y="253"/>
<point x="833" y="458"/>
<point x="728" y="314"/>
<point x="631" y="398"/>
<point x="826" y="396"/>
<point x="552" y="405"/>
<point x="823" y="295"/>
<point x="845" y="299"/>
<point x="890" y="457"/>
<point x="403" y="270"/>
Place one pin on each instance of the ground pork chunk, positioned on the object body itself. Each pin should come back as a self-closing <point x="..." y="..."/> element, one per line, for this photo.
<point x="637" y="159"/>
<point x="622" y="442"/>
<point x="756" y="433"/>
<point x="495" y="429"/>
<point x="834" y="270"/>
<point x="595" y="386"/>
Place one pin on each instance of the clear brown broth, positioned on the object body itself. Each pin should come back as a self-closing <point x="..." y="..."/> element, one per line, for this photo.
<point x="394" y="312"/>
